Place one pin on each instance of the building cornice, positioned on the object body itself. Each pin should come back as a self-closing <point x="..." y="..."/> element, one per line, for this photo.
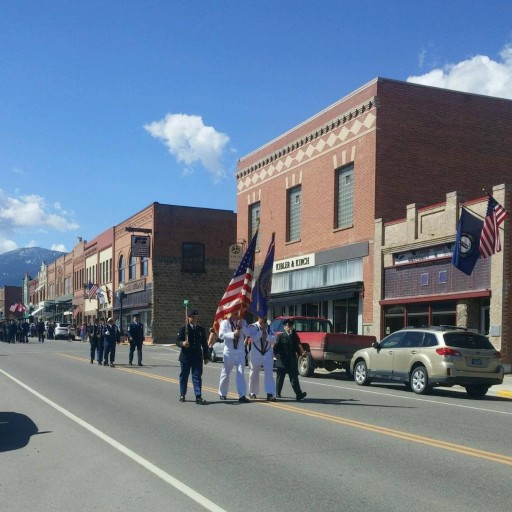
<point x="319" y="132"/>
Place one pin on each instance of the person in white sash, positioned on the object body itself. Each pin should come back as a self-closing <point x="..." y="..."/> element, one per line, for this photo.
<point x="261" y="354"/>
<point x="231" y="331"/>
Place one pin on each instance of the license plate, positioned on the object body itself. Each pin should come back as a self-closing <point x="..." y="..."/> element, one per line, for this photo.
<point x="476" y="362"/>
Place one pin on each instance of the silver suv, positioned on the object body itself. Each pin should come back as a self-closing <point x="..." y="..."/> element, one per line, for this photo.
<point x="426" y="357"/>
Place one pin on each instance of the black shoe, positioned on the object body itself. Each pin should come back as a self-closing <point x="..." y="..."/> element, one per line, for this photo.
<point x="270" y="398"/>
<point x="222" y="397"/>
<point x="243" y="400"/>
<point x="140" y="364"/>
<point x="278" y="395"/>
<point x="200" y="400"/>
<point x="105" y="363"/>
<point x="112" y="365"/>
<point x="301" y="396"/>
<point x="182" y="398"/>
<point x="92" y="361"/>
<point x="130" y="363"/>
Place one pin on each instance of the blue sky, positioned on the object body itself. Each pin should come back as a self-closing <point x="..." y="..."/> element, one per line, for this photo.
<point x="107" y="106"/>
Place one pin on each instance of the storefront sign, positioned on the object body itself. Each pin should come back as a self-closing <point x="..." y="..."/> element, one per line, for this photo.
<point x="430" y="253"/>
<point x="135" y="286"/>
<point x="299" y="262"/>
<point x="140" y="246"/>
<point x="235" y="255"/>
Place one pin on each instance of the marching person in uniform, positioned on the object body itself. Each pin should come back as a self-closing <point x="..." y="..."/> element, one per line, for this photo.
<point x="194" y="351"/>
<point x="232" y="331"/>
<point x="111" y="336"/>
<point x="136" y="337"/>
<point x="286" y="349"/>
<point x="101" y="340"/>
<point x="261" y="354"/>
<point x="94" y="338"/>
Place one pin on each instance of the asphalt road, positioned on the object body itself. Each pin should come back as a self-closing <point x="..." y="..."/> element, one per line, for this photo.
<point x="77" y="437"/>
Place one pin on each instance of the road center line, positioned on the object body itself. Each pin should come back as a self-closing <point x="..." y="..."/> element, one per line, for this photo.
<point x="177" y="484"/>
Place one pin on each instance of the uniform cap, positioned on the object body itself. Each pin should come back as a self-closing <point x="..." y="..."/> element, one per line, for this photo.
<point x="193" y="312"/>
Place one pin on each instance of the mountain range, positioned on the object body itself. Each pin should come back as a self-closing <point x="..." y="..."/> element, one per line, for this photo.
<point x="14" y="264"/>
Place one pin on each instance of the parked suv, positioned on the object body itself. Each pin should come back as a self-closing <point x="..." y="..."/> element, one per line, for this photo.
<point x="63" y="331"/>
<point x="426" y="357"/>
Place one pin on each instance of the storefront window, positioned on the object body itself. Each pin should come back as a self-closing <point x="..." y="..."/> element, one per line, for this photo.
<point x="346" y="315"/>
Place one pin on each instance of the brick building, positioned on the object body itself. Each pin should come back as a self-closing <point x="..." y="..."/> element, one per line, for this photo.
<point x="320" y="186"/>
<point x="188" y="259"/>
<point x="420" y="286"/>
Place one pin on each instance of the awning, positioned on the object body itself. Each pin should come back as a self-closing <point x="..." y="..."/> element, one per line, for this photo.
<point x="316" y="295"/>
<point x="40" y="308"/>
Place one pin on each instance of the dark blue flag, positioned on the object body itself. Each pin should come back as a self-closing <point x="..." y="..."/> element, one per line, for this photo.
<point x="466" y="250"/>
<point x="261" y="290"/>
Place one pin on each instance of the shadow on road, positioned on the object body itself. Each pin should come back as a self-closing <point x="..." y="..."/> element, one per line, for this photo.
<point x="16" y="430"/>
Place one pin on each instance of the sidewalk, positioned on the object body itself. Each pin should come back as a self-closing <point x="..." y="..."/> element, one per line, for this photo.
<point x="505" y="389"/>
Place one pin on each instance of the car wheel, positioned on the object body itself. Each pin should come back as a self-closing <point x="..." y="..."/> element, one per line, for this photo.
<point x="477" y="390"/>
<point x="361" y="374"/>
<point x="419" y="381"/>
<point x="306" y="366"/>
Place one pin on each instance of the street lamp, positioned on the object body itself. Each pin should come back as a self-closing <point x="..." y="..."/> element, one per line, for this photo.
<point x="121" y="295"/>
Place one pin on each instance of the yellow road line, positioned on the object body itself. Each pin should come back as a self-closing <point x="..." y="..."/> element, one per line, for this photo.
<point x="436" y="443"/>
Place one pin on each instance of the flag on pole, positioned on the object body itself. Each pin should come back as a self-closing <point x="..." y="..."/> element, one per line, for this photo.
<point x="263" y="285"/>
<point x="109" y="294"/>
<point x="18" y="308"/>
<point x="490" y="237"/>
<point x="239" y="291"/>
<point x="101" y="296"/>
<point x="76" y="311"/>
<point x="91" y="290"/>
<point x="466" y="251"/>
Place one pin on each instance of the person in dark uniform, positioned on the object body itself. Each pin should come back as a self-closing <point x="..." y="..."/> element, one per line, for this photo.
<point x="101" y="341"/>
<point x="136" y="337"/>
<point x="194" y="351"/>
<point x="94" y="338"/>
<point x="111" y="336"/>
<point x="286" y="349"/>
<point x="40" y="331"/>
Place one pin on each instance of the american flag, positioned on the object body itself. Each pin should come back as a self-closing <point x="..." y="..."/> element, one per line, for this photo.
<point x="490" y="237"/>
<point x="239" y="291"/>
<point x="76" y="311"/>
<point x="91" y="290"/>
<point x="18" y="307"/>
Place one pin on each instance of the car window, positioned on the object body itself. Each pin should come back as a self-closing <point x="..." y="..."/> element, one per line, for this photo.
<point x="429" y="340"/>
<point x="467" y="340"/>
<point x="393" y="340"/>
<point x="412" y="339"/>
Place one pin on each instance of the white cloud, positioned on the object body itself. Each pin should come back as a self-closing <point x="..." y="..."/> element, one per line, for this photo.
<point x="58" y="247"/>
<point x="31" y="211"/>
<point x="479" y="74"/>
<point x="27" y="214"/>
<point x="7" y="245"/>
<point x="190" y="141"/>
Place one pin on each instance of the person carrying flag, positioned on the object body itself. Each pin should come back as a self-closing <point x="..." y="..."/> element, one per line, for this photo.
<point x="233" y="331"/>
<point x="261" y="354"/>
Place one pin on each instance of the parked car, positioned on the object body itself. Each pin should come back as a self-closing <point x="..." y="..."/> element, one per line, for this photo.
<point x="324" y="348"/>
<point x="217" y="352"/>
<point x="426" y="357"/>
<point x="64" y="331"/>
